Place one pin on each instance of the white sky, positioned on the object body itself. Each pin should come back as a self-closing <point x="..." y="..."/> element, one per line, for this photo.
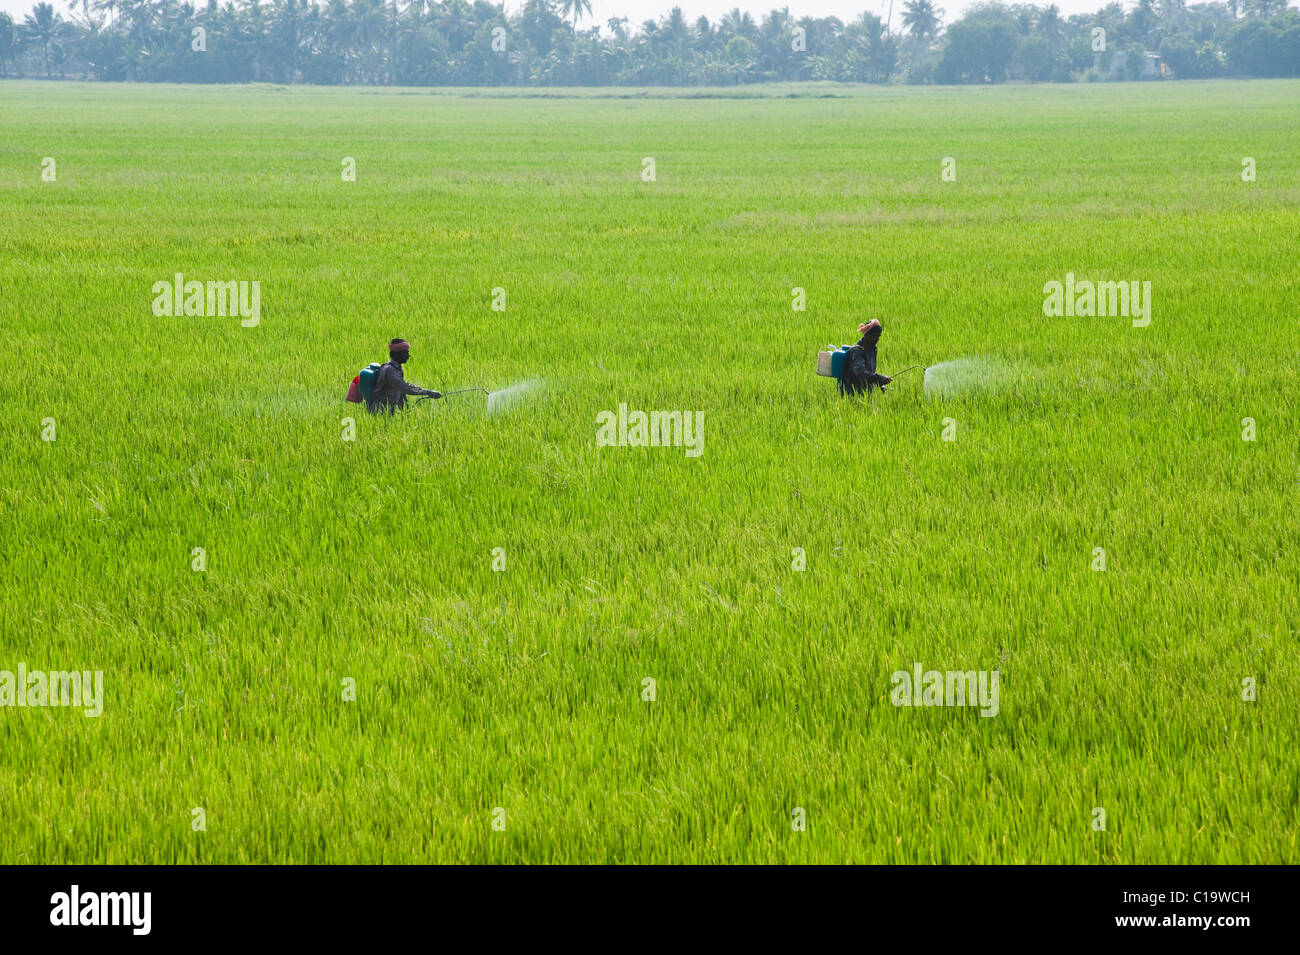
<point x="638" y="10"/>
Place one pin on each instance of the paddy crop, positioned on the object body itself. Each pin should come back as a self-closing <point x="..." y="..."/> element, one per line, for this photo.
<point x="457" y="635"/>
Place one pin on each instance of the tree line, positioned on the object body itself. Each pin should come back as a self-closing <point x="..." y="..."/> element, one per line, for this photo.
<point x="547" y="43"/>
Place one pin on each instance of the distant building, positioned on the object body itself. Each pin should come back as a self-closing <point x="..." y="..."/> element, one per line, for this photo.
<point x="1152" y="66"/>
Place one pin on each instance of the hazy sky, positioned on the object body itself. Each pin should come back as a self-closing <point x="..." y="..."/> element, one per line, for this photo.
<point x="639" y="10"/>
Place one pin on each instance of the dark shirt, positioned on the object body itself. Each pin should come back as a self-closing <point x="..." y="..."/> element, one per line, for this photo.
<point x="860" y="373"/>
<point x="869" y="340"/>
<point x="391" y="389"/>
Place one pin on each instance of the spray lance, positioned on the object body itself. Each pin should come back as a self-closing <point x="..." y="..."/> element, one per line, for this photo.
<point x="905" y="371"/>
<point x="894" y="377"/>
<point x="496" y="398"/>
<point x="462" y="391"/>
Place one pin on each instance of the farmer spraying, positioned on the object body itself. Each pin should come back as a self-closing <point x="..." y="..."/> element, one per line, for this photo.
<point x="854" y="366"/>
<point x="859" y="370"/>
<point x="389" y="388"/>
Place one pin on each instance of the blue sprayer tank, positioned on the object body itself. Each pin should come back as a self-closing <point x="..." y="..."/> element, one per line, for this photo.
<point x="367" y="379"/>
<point x="830" y="364"/>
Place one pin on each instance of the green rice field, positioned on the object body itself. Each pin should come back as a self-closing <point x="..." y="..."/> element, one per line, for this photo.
<point x="479" y="632"/>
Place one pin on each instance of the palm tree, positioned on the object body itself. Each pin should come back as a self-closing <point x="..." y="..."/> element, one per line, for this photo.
<point x="871" y="40"/>
<point x="8" y="40"/>
<point x="42" y="25"/>
<point x="675" y="25"/>
<point x="736" y="23"/>
<point x="84" y="6"/>
<point x="101" y="5"/>
<point x="1173" y="13"/>
<point x="921" y="19"/>
<point x="1143" y="20"/>
<point x="454" y="19"/>
<point x="372" y="37"/>
<point x="1111" y="18"/>
<point x="285" y="38"/>
<point x="1262" y="8"/>
<point x="1051" y="27"/>
<point x="576" y="9"/>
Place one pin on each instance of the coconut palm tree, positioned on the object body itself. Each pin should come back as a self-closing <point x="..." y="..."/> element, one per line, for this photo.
<point x="1051" y="27"/>
<point x="875" y="51"/>
<point x="8" y="40"/>
<point x="99" y="6"/>
<point x="921" y="19"/>
<point x="736" y="23"/>
<point x="85" y="7"/>
<point x="43" y="26"/>
<point x="1262" y="8"/>
<point x="575" y="9"/>
<point x="1173" y="14"/>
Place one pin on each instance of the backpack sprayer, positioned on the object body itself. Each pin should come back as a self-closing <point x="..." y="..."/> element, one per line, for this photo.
<point x="830" y="364"/>
<point x="363" y="385"/>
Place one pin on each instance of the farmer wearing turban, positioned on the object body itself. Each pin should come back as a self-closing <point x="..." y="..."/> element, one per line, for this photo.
<point x="859" y="372"/>
<point x="391" y="387"/>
